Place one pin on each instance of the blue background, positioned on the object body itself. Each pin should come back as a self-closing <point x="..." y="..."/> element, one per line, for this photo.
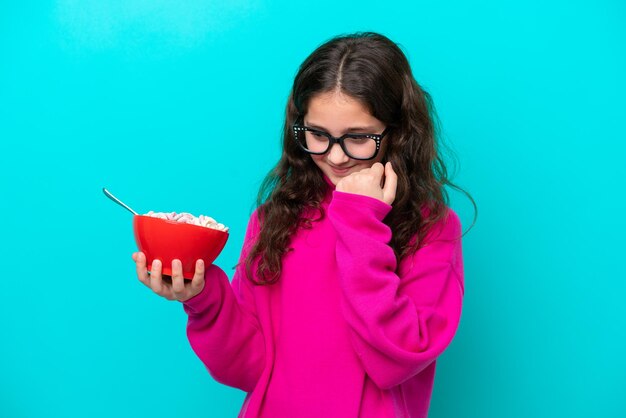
<point x="178" y="106"/>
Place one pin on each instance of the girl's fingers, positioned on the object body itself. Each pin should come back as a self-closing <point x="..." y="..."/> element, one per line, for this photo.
<point x="142" y="273"/>
<point x="378" y="170"/>
<point x="156" y="283"/>
<point x="197" y="283"/>
<point x="178" y="281"/>
<point x="391" y="184"/>
<point x="375" y="169"/>
<point x="177" y="290"/>
<point x="166" y="292"/>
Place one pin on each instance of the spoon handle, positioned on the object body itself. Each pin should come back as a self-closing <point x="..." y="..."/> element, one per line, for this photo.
<point x="116" y="200"/>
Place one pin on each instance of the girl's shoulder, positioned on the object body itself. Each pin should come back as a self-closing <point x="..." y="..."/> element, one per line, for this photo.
<point x="446" y="228"/>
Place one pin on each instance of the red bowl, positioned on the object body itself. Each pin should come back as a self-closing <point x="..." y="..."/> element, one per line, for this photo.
<point x="165" y="240"/>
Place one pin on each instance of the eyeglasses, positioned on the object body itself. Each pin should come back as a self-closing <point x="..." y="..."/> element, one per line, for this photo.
<point x="355" y="145"/>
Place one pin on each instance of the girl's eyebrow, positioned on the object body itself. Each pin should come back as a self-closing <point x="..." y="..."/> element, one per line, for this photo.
<point x="367" y="129"/>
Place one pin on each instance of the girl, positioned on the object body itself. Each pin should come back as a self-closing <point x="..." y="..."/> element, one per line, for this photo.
<point x="350" y="280"/>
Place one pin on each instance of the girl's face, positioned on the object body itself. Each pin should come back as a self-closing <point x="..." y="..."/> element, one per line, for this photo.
<point x="337" y="114"/>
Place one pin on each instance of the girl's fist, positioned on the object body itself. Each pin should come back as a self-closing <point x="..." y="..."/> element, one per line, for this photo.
<point x="368" y="182"/>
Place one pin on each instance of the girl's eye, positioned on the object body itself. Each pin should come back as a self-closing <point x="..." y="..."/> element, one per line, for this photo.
<point x="358" y="139"/>
<point x="318" y="134"/>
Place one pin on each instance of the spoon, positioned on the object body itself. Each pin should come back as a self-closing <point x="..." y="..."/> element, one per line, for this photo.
<point x="116" y="200"/>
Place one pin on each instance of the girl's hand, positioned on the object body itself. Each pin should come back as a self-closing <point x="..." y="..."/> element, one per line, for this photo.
<point x="367" y="182"/>
<point x="174" y="289"/>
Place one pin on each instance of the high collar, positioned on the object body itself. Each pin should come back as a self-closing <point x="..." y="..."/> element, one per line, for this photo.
<point x="329" y="182"/>
<point x="329" y="191"/>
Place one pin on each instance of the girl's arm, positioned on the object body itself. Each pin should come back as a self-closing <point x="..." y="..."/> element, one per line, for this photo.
<point x="400" y="323"/>
<point x="223" y="328"/>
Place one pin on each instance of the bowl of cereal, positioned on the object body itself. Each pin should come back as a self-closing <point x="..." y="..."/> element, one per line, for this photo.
<point x="166" y="236"/>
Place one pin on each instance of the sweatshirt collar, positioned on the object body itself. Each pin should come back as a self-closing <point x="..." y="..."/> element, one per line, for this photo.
<point x="329" y="191"/>
<point x="328" y="181"/>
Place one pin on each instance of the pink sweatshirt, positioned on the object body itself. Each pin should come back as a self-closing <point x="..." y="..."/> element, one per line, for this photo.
<point x="340" y="334"/>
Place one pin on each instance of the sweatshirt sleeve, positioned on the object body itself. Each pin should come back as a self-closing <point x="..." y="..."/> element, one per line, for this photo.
<point x="399" y="323"/>
<point x="223" y="327"/>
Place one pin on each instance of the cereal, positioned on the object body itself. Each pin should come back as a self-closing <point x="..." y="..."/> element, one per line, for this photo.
<point x="188" y="218"/>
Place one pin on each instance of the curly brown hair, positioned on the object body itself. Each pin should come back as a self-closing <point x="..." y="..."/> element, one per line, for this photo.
<point x="370" y="68"/>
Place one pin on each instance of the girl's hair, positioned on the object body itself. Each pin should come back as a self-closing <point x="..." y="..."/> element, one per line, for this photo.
<point x="372" y="69"/>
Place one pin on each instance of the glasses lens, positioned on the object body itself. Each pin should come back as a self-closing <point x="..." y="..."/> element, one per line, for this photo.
<point x="360" y="147"/>
<point x="312" y="141"/>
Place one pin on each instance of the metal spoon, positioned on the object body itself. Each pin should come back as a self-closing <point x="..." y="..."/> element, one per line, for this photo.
<point x="116" y="200"/>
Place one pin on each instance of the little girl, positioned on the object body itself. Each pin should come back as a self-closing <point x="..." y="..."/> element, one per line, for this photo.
<point x="350" y="280"/>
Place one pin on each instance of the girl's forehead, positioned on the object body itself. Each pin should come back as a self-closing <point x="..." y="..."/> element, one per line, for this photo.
<point x="339" y="110"/>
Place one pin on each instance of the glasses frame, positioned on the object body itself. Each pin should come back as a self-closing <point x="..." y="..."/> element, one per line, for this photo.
<point x="332" y="140"/>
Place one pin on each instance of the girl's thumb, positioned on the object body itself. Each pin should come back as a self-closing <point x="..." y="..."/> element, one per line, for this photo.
<point x="391" y="183"/>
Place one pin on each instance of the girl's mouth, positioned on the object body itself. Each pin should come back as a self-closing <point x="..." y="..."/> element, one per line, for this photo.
<point x="340" y="170"/>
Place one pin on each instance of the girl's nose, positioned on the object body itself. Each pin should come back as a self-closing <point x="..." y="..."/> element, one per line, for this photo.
<point x="336" y="156"/>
